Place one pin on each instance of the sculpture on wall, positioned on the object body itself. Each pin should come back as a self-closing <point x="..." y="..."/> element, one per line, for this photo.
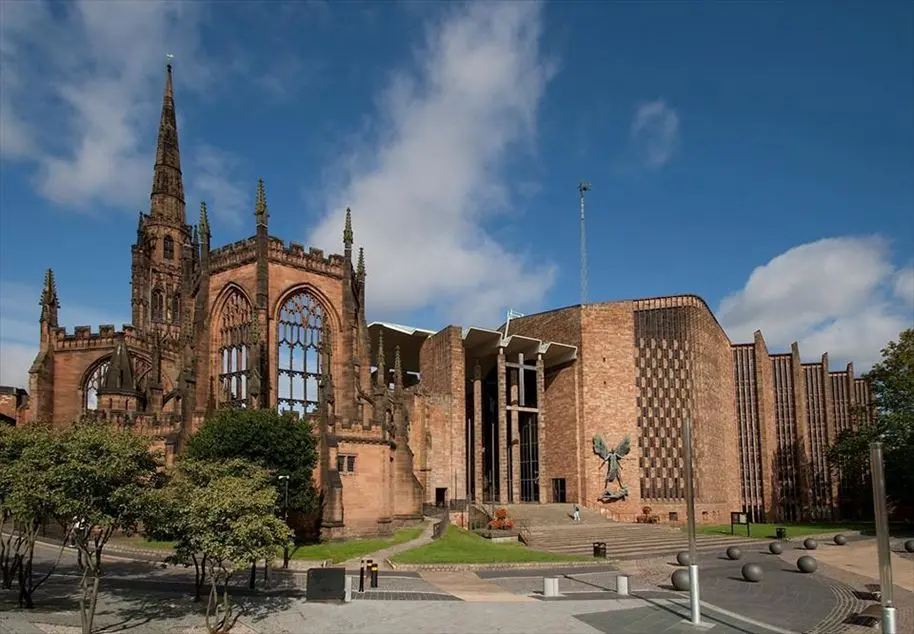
<point x="611" y="458"/>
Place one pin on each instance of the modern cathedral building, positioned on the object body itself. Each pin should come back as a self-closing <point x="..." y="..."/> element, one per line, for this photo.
<point x="408" y="417"/>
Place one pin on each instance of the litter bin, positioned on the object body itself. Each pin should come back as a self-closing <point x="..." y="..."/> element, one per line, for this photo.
<point x="599" y="549"/>
<point x="780" y="532"/>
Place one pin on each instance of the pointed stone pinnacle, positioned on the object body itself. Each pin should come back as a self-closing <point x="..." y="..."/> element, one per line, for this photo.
<point x="347" y="229"/>
<point x="260" y="206"/>
<point x="360" y="267"/>
<point x="204" y="221"/>
<point x="49" y="292"/>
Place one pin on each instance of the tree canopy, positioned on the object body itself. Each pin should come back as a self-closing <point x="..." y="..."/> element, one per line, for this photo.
<point x="280" y="443"/>
<point x="891" y="421"/>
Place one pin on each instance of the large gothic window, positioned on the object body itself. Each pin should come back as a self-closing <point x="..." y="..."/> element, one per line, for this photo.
<point x="158" y="305"/>
<point x="298" y="353"/>
<point x="233" y="351"/>
<point x="168" y="248"/>
<point x="93" y="382"/>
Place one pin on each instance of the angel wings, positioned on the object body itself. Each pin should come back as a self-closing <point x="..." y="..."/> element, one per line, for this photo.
<point x="601" y="449"/>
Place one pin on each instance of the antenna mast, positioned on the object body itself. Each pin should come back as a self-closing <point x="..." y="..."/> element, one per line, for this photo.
<point x="582" y="188"/>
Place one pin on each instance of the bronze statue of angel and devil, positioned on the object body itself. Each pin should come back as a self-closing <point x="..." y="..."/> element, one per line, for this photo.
<point x="611" y="458"/>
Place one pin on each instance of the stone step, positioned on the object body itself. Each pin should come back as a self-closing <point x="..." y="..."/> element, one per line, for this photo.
<point x="636" y="551"/>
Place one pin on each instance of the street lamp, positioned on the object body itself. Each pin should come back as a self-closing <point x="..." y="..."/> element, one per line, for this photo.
<point x="694" y="601"/>
<point x="285" y="512"/>
<point x="886" y="591"/>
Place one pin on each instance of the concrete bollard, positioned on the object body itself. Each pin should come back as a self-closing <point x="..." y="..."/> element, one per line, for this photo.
<point x="550" y="586"/>
<point x="347" y="598"/>
<point x="622" y="585"/>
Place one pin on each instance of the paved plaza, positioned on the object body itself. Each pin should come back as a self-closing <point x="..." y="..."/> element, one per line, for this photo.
<point x="142" y="596"/>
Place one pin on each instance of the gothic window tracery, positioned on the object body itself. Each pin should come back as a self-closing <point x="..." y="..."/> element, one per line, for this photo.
<point x="175" y="309"/>
<point x="299" y="331"/>
<point x="168" y="248"/>
<point x="93" y="382"/>
<point x="158" y="305"/>
<point x="235" y="320"/>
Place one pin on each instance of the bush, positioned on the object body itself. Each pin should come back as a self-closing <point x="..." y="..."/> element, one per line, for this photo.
<point x="501" y="514"/>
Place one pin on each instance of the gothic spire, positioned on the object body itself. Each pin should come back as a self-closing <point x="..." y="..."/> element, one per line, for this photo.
<point x="167" y="199"/>
<point x="260" y="205"/>
<point x="49" y="301"/>
<point x="360" y="267"/>
<point x="347" y="231"/>
<point x="119" y="377"/>
<point x="380" y="364"/>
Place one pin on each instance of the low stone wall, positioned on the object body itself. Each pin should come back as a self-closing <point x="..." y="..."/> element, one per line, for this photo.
<point x="546" y="565"/>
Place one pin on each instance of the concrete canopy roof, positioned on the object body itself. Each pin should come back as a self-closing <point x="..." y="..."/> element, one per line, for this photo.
<point x="478" y="343"/>
<point x="484" y="342"/>
<point x="408" y="338"/>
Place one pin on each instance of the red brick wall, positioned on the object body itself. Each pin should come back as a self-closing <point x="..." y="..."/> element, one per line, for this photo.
<point x="442" y="408"/>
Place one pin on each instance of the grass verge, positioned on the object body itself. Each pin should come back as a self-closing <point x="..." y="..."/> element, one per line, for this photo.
<point x="353" y="548"/>
<point x="458" y="546"/>
<point x="767" y="531"/>
<point x="141" y="543"/>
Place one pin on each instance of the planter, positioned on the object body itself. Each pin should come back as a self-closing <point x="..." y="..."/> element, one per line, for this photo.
<point x="497" y="536"/>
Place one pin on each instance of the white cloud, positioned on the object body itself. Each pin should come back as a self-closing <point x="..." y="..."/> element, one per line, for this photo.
<point x="213" y="182"/>
<point x="19" y="327"/>
<point x="655" y="132"/>
<point x="904" y="285"/>
<point x="836" y="295"/>
<point x="421" y="193"/>
<point x="81" y="88"/>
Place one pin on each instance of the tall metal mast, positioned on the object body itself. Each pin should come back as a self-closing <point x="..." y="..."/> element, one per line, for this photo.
<point x="582" y="188"/>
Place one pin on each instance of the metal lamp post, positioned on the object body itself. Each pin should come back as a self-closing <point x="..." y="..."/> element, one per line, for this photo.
<point x="285" y="512"/>
<point x="882" y="539"/>
<point x="694" y="601"/>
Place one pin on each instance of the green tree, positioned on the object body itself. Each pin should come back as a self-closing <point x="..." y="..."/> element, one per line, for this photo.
<point x="280" y="443"/>
<point x="222" y="516"/>
<point x="26" y="503"/>
<point x="891" y="421"/>
<point x="171" y="518"/>
<point x="101" y="478"/>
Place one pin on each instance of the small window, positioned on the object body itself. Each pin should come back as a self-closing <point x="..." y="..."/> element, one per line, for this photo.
<point x="168" y="248"/>
<point x="158" y="306"/>
<point x="175" y="308"/>
<point x="345" y="464"/>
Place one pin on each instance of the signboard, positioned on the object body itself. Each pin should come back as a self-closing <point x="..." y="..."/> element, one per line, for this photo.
<point x="326" y="584"/>
<point x="738" y="518"/>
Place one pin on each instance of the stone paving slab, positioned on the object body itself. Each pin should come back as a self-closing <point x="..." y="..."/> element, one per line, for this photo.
<point x="667" y="618"/>
<point x="386" y="595"/>
<point x="469" y="587"/>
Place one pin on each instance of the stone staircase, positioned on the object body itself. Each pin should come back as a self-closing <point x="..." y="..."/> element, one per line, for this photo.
<point x="550" y="527"/>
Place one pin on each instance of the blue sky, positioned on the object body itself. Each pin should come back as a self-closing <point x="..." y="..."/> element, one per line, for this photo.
<point x="760" y="155"/>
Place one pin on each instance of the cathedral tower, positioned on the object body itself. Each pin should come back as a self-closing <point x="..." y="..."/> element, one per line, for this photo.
<point x="163" y="237"/>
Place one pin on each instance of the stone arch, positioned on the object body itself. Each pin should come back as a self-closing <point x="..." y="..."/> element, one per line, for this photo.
<point x="231" y="319"/>
<point x="91" y="381"/>
<point x="304" y="330"/>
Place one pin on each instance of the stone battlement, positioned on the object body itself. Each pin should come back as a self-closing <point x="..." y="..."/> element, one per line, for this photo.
<point x="232" y="255"/>
<point x="310" y="258"/>
<point x="106" y="334"/>
<point x="154" y="425"/>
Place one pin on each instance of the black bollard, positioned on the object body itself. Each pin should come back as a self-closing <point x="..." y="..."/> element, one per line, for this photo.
<point x="362" y="576"/>
<point x="374" y="575"/>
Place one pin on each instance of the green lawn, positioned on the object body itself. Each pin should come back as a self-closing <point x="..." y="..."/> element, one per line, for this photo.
<point x="138" y="541"/>
<point x="353" y="548"/>
<point x="458" y="546"/>
<point x="766" y="531"/>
